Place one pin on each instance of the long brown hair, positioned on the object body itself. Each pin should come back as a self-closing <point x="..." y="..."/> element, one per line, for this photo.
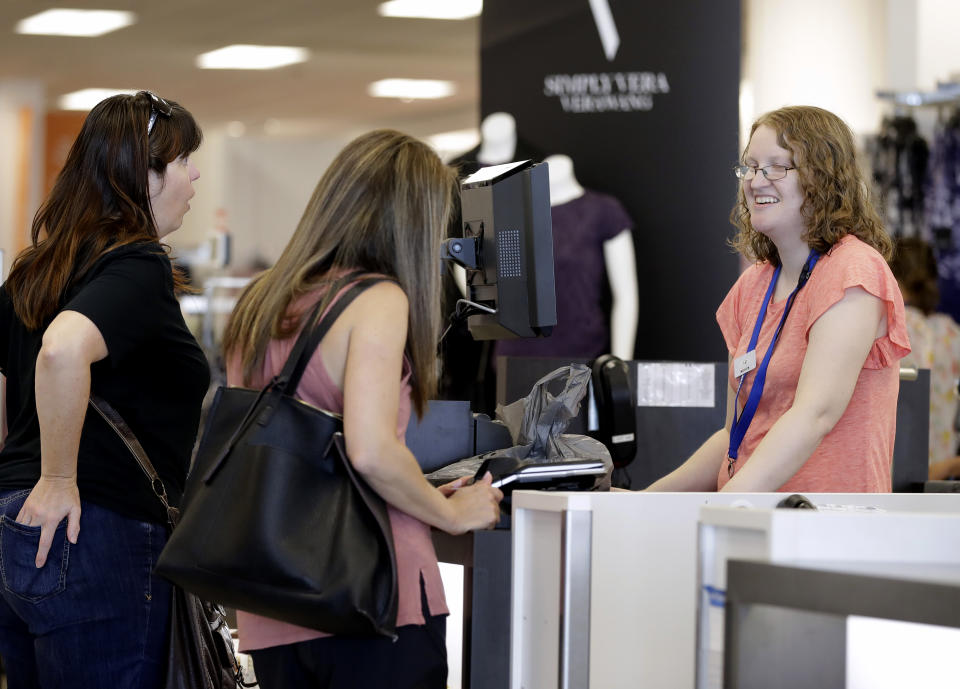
<point x="837" y="199"/>
<point x="99" y="201"/>
<point x="382" y="207"/>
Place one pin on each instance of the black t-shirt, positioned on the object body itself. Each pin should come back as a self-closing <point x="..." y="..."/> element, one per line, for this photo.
<point x="155" y="375"/>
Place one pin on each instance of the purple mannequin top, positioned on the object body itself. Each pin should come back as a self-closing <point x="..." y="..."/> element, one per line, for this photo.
<point x="580" y="228"/>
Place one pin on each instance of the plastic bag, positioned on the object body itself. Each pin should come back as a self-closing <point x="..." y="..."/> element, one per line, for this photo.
<point x="537" y="423"/>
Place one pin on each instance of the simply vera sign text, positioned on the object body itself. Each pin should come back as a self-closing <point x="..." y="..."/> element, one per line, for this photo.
<point x="606" y="91"/>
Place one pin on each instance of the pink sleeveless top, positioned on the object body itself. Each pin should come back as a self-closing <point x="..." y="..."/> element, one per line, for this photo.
<point x="416" y="558"/>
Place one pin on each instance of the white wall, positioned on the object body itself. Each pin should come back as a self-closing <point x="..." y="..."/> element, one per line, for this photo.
<point x="901" y="44"/>
<point x="938" y="42"/>
<point x="922" y="50"/>
<point x="827" y="53"/>
<point x="838" y="53"/>
<point x="264" y="180"/>
<point x="208" y="197"/>
<point x="267" y="183"/>
<point x="261" y="183"/>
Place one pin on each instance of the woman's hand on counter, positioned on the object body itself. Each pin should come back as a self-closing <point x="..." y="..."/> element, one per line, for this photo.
<point x="476" y="506"/>
<point x="449" y="489"/>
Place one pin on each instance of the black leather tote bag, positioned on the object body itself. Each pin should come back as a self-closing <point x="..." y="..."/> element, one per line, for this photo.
<point x="275" y="521"/>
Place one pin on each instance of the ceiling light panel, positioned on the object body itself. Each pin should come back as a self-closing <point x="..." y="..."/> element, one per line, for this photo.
<point x="411" y="89"/>
<point x="252" y="57"/>
<point x="85" y="99"/>
<point x="68" y="22"/>
<point x="431" y="9"/>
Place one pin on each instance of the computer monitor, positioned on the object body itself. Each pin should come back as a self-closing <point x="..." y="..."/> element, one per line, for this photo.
<point x="507" y="250"/>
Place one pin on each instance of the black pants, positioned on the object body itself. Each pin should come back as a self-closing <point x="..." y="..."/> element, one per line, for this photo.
<point x="416" y="660"/>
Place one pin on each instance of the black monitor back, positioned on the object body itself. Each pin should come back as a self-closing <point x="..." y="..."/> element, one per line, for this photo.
<point x="510" y="217"/>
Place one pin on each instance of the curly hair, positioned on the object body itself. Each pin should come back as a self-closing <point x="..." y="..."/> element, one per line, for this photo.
<point x="837" y="199"/>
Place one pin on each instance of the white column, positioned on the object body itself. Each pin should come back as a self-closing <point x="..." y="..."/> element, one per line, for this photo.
<point x="938" y="54"/>
<point x="901" y="40"/>
<point x="22" y="110"/>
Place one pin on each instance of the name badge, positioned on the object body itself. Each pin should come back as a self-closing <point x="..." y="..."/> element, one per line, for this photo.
<point x="744" y="364"/>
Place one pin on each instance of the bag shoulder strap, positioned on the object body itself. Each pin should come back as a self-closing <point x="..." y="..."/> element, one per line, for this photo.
<point x="120" y="427"/>
<point x="293" y="370"/>
<point x="310" y="338"/>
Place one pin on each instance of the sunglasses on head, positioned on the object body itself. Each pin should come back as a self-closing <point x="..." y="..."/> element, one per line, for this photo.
<point x="158" y="106"/>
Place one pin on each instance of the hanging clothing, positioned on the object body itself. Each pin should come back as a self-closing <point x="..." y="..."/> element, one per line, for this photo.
<point x="942" y="190"/>
<point x="942" y="194"/>
<point x="899" y="161"/>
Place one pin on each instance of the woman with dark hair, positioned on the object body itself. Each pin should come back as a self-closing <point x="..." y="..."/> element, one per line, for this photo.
<point x="89" y="308"/>
<point x="380" y="208"/>
<point x="815" y="327"/>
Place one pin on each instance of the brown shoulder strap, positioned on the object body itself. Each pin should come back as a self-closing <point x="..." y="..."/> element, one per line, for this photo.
<point x="116" y="422"/>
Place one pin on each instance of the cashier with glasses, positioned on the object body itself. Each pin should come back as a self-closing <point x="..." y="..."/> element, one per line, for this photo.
<point x="815" y="327"/>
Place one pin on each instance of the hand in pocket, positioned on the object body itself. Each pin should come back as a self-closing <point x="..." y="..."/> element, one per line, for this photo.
<point x="50" y="501"/>
<point x="19" y="573"/>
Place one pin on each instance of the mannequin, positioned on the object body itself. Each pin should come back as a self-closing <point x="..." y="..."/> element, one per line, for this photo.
<point x="498" y="145"/>
<point x="591" y="238"/>
<point x="498" y="139"/>
<point x="564" y="187"/>
<point x="619" y="259"/>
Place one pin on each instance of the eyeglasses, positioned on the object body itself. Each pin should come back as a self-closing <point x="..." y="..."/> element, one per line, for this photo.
<point x="158" y="106"/>
<point x="771" y="172"/>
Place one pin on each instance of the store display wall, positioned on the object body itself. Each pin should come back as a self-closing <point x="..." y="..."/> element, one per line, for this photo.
<point x="644" y="100"/>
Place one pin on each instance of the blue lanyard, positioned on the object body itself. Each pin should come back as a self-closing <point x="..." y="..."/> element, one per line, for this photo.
<point x="738" y="428"/>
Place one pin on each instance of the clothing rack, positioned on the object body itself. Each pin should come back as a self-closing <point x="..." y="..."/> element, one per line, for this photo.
<point x="917" y="176"/>
<point x="946" y="93"/>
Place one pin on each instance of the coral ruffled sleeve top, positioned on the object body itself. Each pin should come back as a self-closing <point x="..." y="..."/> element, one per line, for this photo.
<point x="856" y="455"/>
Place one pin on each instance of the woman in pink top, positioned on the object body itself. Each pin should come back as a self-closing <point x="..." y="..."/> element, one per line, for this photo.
<point x="815" y="327"/>
<point x="381" y="207"/>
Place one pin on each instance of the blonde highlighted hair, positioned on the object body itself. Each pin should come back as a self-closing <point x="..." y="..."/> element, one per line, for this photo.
<point x="381" y="207"/>
<point x="837" y="199"/>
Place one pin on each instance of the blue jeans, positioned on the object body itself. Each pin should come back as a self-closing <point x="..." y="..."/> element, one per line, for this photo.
<point x="94" y="615"/>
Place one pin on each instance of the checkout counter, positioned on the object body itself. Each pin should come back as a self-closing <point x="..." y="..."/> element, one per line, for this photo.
<point x="590" y="589"/>
<point x="618" y="590"/>
<point x="601" y="589"/>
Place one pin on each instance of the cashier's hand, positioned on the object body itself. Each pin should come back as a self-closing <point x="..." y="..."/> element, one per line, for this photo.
<point x="476" y="506"/>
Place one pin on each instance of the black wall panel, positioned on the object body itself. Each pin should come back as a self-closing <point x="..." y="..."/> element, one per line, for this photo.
<point x="656" y="126"/>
